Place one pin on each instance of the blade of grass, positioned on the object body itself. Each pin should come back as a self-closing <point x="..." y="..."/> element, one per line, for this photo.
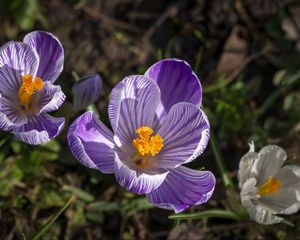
<point x="45" y="228"/>
<point x="212" y="213"/>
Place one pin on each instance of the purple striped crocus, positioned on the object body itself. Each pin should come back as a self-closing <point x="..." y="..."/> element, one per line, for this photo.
<point x="157" y="126"/>
<point x="28" y="70"/>
<point x="86" y="91"/>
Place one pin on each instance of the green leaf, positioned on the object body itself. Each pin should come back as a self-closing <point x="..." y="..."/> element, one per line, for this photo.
<point x="212" y="213"/>
<point x="290" y="79"/>
<point x="49" y="197"/>
<point x="10" y="175"/>
<point x="103" y="206"/>
<point x="135" y="205"/>
<point x="95" y="211"/>
<point x="287" y="222"/>
<point x="26" y="13"/>
<point x="16" y="146"/>
<point x="83" y="195"/>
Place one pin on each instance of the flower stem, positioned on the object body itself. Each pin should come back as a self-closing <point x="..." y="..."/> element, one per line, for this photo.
<point x="227" y="181"/>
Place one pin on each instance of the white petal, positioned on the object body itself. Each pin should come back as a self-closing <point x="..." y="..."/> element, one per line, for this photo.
<point x="287" y="199"/>
<point x="245" y="166"/>
<point x="257" y="212"/>
<point x="270" y="159"/>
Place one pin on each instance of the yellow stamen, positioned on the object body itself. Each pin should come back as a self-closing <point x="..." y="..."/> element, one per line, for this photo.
<point x="270" y="186"/>
<point x="28" y="88"/>
<point x="144" y="132"/>
<point x="146" y="145"/>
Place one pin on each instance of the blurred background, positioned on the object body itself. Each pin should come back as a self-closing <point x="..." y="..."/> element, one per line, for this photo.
<point x="246" y="54"/>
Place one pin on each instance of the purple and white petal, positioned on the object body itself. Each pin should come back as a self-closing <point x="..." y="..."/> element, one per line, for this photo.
<point x="176" y="81"/>
<point x="39" y="129"/>
<point x="50" y="52"/>
<point x="132" y="105"/>
<point x="269" y="161"/>
<point x="205" y="135"/>
<point x="91" y="142"/>
<point x="135" y="181"/>
<point x="183" y="188"/>
<point x="86" y="91"/>
<point x="16" y="60"/>
<point x="184" y="129"/>
<point x="50" y="98"/>
<point x="10" y="114"/>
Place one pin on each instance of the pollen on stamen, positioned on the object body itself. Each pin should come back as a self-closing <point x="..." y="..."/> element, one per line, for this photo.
<point x="147" y="145"/>
<point x="28" y="89"/>
<point x="270" y="186"/>
<point x="38" y="83"/>
<point x="144" y="132"/>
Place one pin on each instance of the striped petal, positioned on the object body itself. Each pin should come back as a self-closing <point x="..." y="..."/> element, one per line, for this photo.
<point x="50" y="98"/>
<point x="50" y="52"/>
<point x="10" y="116"/>
<point x="183" y="188"/>
<point x="91" y="142"/>
<point x="86" y="91"/>
<point x="132" y="105"/>
<point x="185" y="132"/>
<point x="16" y="60"/>
<point x="39" y="129"/>
<point x="176" y="81"/>
<point x="135" y="181"/>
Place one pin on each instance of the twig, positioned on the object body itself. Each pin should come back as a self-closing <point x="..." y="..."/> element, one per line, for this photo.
<point x="110" y="21"/>
<point x="244" y="63"/>
<point x="170" y="11"/>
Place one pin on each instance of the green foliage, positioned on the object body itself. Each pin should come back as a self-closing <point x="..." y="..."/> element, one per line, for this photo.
<point x="24" y="13"/>
<point x="10" y="176"/>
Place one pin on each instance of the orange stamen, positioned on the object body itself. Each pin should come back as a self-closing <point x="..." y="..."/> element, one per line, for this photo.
<point x="28" y="89"/>
<point x="270" y="186"/>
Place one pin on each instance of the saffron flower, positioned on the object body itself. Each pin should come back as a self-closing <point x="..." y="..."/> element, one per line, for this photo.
<point x="86" y="91"/>
<point x="267" y="187"/>
<point x="28" y="70"/>
<point x="157" y="127"/>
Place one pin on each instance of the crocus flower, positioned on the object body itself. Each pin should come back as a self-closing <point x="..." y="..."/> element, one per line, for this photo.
<point x="28" y="70"/>
<point x="157" y="126"/>
<point x="86" y="91"/>
<point x="267" y="187"/>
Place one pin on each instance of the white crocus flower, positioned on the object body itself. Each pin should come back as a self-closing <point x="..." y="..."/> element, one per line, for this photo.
<point x="267" y="187"/>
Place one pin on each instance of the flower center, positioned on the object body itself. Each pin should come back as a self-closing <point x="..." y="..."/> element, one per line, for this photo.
<point x="146" y="145"/>
<point x="270" y="186"/>
<point x="28" y="88"/>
